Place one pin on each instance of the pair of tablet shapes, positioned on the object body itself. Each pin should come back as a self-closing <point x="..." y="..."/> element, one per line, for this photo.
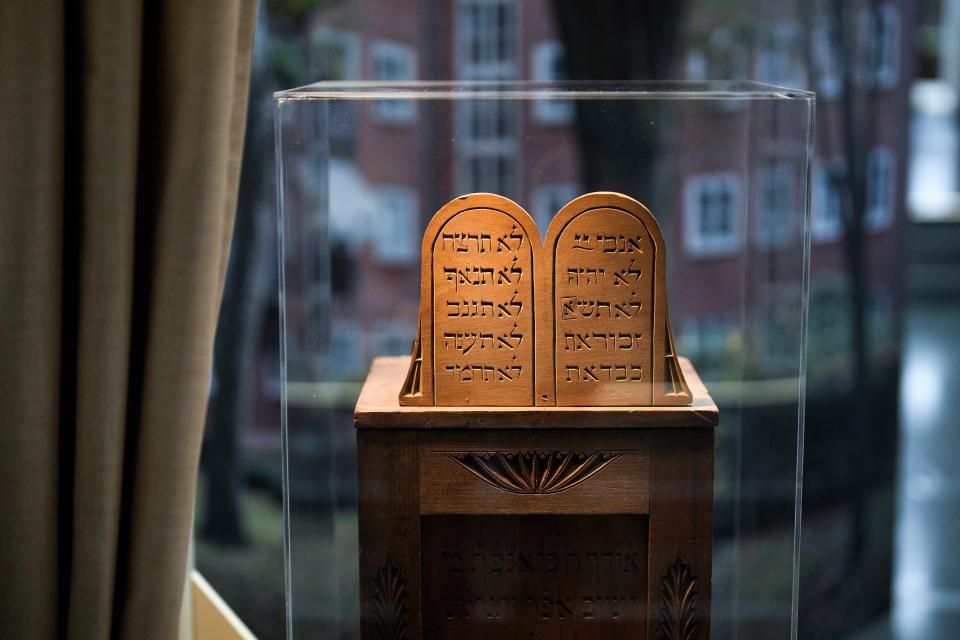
<point x="577" y="319"/>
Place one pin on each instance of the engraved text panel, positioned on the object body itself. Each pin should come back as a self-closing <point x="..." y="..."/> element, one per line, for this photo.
<point x="537" y="577"/>
<point x="483" y="311"/>
<point x="603" y="306"/>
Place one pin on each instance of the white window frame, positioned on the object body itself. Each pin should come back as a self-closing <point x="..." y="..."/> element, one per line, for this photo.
<point x="491" y="145"/>
<point x="695" y="243"/>
<point x="826" y="216"/>
<point x="490" y="66"/>
<point x="544" y="58"/>
<point x="404" y="59"/>
<point x="501" y="147"/>
<point x="879" y="214"/>
<point x="547" y="199"/>
<point x="395" y="239"/>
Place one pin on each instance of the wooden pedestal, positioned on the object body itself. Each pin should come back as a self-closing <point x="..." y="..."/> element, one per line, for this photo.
<point x="533" y="522"/>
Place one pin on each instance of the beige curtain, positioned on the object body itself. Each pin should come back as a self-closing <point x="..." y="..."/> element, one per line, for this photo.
<point x="121" y="126"/>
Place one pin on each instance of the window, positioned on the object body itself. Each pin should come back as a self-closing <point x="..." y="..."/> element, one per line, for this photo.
<point x="826" y="59"/>
<point x="392" y="62"/>
<point x="489" y="173"/>
<point x="697" y="65"/>
<point x="775" y="206"/>
<point x="880" y="188"/>
<point x="883" y="45"/>
<point x="712" y="215"/>
<point x="335" y="55"/>
<point x="777" y="62"/>
<point x="829" y="195"/>
<point x="395" y="238"/>
<point x="548" y="66"/>
<point x="486" y="144"/>
<point x="547" y="199"/>
<point x="488" y="34"/>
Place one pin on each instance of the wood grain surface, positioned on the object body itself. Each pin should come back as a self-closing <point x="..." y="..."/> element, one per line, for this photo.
<point x="378" y="408"/>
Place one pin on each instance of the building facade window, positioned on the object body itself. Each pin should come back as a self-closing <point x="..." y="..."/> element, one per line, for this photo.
<point x="775" y="202"/>
<point x="486" y="144"/>
<point x="394" y="62"/>
<point x="395" y="240"/>
<point x="547" y="65"/>
<point x="336" y="55"/>
<point x="712" y="215"/>
<point x="488" y="37"/>
<point x="697" y="65"/>
<point x="777" y="62"/>
<point x="548" y="199"/>
<point x="881" y="179"/>
<point x="828" y="78"/>
<point x="883" y="42"/>
<point x="828" y="200"/>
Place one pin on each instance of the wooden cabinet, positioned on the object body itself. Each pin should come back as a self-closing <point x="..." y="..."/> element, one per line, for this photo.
<point x="533" y="522"/>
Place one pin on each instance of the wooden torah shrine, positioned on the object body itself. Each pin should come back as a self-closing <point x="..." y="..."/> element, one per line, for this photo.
<point x="542" y="467"/>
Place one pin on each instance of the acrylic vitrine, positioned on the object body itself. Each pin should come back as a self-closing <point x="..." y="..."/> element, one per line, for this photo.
<point x="463" y="459"/>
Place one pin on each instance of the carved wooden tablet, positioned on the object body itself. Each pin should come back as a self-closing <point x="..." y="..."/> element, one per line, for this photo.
<point x="579" y="321"/>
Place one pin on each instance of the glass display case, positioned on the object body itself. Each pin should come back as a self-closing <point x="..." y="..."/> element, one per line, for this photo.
<point x="723" y="169"/>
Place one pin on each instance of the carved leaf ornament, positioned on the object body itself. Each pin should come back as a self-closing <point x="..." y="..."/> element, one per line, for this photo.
<point x="535" y="472"/>
<point x="389" y="606"/>
<point x="679" y="593"/>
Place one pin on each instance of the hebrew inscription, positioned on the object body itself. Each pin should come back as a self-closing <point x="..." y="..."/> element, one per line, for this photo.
<point x="483" y="310"/>
<point x="534" y="577"/>
<point x="578" y="320"/>
<point x="603" y="297"/>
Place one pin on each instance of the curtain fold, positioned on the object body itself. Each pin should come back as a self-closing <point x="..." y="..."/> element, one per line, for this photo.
<point x="121" y="129"/>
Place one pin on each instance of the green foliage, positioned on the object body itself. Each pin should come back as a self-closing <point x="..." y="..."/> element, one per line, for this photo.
<point x="287" y="60"/>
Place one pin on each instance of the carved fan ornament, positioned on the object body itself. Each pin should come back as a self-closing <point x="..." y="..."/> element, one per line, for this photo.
<point x="535" y="472"/>
<point x="389" y="607"/>
<point x="679" y="593"/>
<point x="579" y="319"/>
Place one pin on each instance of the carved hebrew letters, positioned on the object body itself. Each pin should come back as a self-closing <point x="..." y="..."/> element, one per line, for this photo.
<point x="483" y="310"/>
<point x="534" y="576"/>
<point x="580" y="320"/>
<point x="603" y="302"/>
